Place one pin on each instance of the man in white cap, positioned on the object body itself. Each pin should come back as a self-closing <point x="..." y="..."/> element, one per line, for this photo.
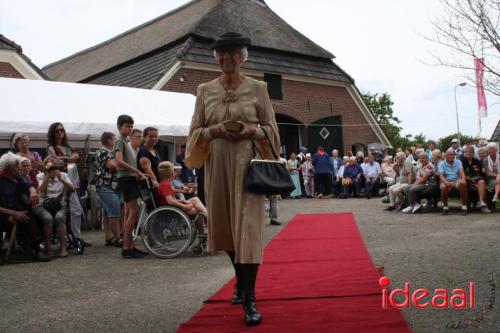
<point x="455" y="144"/>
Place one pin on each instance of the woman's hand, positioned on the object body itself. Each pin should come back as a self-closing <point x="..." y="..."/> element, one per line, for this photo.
<point x="218" y="131"/>
<point x="21" y="216"/>
<point x="247" y="132"/>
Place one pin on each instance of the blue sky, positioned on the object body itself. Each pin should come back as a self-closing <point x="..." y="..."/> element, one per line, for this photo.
<point x="378" y="43"/>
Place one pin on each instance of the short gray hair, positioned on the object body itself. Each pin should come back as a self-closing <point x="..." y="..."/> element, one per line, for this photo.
<point x="400" y="156"/>
<point x="9" y="159"/>
<point x="244" y="54"/>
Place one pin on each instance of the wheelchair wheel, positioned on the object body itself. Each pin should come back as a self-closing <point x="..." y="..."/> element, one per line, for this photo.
<point x="167" y="232"/>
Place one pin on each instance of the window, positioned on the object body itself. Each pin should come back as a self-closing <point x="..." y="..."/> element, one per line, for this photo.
<point x="274" y="86"/>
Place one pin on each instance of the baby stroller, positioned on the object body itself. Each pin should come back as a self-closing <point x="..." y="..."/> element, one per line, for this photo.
<point x="167" y="231"/>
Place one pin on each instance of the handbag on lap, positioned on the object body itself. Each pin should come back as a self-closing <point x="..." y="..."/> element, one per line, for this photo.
<point x="268" y="176"/>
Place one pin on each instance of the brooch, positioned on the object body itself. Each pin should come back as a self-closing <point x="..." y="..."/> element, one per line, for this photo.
<point x="230" y="97"/>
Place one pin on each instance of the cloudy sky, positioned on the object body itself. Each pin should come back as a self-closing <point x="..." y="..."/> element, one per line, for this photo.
<point x="378" y="43"/>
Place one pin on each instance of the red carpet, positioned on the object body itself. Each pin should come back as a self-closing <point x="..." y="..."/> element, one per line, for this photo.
<point x="317" y="276"/>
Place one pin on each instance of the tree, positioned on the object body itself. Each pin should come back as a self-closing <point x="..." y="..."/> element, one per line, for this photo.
<point x="381" y="107"/>
<point x="471" y="30"/>
<point x="445" y="142"/>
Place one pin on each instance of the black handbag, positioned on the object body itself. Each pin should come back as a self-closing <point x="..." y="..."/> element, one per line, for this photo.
<point x="268" y="176"/>
<point x="53" y="205"/>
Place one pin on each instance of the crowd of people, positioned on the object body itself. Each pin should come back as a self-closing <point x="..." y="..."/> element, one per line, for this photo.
<point x="41" y="195"/>
<point x="471" y="172"/>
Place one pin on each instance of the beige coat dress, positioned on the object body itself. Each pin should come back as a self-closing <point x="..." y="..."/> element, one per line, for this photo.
<point x="236" y="217"/>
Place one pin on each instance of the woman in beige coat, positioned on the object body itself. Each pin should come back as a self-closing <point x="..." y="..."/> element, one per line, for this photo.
<point x="236" y="217"/>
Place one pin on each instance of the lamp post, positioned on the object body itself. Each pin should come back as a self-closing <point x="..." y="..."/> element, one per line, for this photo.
<point x="456" y="110"/>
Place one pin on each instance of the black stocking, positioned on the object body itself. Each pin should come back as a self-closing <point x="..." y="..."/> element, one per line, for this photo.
<point x="237" y="269"/>
<point x="249" y="276"/>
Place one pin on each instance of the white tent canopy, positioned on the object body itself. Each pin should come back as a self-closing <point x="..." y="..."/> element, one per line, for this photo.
<point x="30" y="106"/>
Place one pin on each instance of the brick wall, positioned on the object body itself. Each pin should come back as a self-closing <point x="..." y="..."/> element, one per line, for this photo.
<point x="7" y="70"/>
<point x="306" y="102"/>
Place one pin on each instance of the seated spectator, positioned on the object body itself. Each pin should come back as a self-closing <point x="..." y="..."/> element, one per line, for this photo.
<point x="351" y="178"/>
<point x="107" y="190"/>
<point x="185" y="192"/>
<point x="308" y="174"/>
<point x="491" y="167"/>
<point x="25" y="170"/>
<point x="405" y="179"/>
<point x="18" y="196"/>
<point x="475" y="177"/>
<point x="437" y="156"/>
<point x="455" y="145"/>
<point x="322" y="172"/>
<point x="416" y="162"/>
<point x="53" y="188"/>
<point x="388" y="172"/>
<point x="425" y="179"/>
<point x="360" y="157"/>
<point x="337" y="183"/>
<point x="371" y="172"/>
<point x="192" y="206"/>
<point x="482" y="153"/>
<point x="452" y="176"/>
<point x="22" y="142"/>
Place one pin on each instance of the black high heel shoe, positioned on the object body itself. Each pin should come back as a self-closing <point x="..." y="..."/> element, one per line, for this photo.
<point x="252" y="315"/>
<point x="80" y="247"/>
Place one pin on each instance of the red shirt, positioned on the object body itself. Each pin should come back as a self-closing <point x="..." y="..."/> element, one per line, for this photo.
<point x="163" y="190"/>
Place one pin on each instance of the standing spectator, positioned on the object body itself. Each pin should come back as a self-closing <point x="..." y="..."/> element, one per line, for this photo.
<point x="336" y="163"/>
<point x="67" y="157"/>
<point x="351" y="178"/>
<point x="135" y="141"/>
<point x="455" y="145"/>
<point x="452" y="176"/>
<point x="360" y="158"/>
<point x="273" y="210"/>
<point x="148" y="158"/>
<point x="482" y="152"/>
<point x="425" y="179"/>
<point x="22" y="142"/>
<point x="308" y="172"/>
<point x="476" y="179"/>
<point x="432" y="146"/>
<point x="107" y="191"/>
<point x="405" y="179"/>
<point x="491" y="167"/>
<point x="16" y="197"/>
<point x="371" y="172"/>
<point x="301" y="157"/>
<point x="127" y="179"/>
<point x="54" y="185"/>
<point x="294" y="168"/>
<point x="322" y="172"/>
<point x="187" y="174"/>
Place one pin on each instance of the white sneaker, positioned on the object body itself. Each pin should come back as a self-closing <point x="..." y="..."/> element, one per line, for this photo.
<point x="495" y="199"/>
<point x="416" y="208"/>
<point x="407" y="210"/>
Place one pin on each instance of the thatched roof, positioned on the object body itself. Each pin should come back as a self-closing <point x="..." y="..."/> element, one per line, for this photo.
<point x="202" y="18"/>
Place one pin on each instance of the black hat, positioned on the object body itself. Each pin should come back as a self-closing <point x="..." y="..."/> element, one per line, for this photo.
<point x="230" y="39"/>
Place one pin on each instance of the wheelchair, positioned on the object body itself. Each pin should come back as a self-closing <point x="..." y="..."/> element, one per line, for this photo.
<point x="167" y="232"/>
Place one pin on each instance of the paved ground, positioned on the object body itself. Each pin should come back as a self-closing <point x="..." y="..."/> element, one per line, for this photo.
<point x="100" y="292"/>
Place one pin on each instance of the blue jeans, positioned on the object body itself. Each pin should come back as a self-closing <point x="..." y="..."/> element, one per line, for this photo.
<point x="371" y="185"/>
<point x="110" y="202"/>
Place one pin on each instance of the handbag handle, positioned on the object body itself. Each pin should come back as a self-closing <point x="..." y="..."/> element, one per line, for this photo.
<point x="255" y="149"/>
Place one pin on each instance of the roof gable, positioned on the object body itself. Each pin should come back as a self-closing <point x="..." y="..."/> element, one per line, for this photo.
<point x="204" y="18"/>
